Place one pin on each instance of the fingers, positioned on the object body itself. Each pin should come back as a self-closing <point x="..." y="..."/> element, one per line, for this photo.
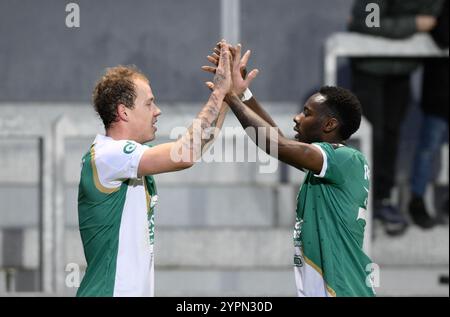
<point x="216" y="56"/>
<point x="209" y="69"/>
<point x="218" y="44"/>
<point x="210" y="85"/>
<point x="252" y="75"/>
<point x="237" y="55"/>
<point x="245" y="58"/>
<point x="243" y="71"/>
<point x="232" y="51"/>
<point x="213" y="60"/>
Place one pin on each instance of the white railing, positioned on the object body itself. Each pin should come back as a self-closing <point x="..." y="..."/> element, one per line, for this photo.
<point x="359" y="45"/>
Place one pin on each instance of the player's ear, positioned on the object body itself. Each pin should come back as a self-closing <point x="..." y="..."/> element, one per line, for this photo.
<point x="122" y="112"/>
<point x="331" y="124"/>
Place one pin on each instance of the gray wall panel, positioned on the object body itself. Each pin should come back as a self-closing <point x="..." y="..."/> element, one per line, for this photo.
<point x="43" y="60"/>
<point x="286" y="37"/>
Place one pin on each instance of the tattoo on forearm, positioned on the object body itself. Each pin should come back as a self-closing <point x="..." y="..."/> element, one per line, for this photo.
<point x="219" y="78"/>
<point x="195" y="139"/>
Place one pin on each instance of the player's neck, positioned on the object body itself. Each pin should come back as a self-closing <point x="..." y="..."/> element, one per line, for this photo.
<point x="118" y="132"/>
<point x="332" y="139"/>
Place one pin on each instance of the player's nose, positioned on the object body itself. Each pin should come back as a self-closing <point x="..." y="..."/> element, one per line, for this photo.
<point x="158" y="112"/>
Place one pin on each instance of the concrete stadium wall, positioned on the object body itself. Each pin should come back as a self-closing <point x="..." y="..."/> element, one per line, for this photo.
<point x="43" y="60"/>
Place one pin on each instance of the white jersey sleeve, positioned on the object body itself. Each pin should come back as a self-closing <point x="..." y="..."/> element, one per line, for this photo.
<point x="117" y="161"/>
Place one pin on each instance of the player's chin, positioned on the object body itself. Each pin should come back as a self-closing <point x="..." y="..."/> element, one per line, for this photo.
<point x="151" y="136"/>
<point x="300" y="138"/>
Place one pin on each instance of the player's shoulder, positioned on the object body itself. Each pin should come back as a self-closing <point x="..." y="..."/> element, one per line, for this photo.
<point x="105" y="147"/>
<point x="348" y="150"/>
<point x="342" y="152"/>
<point x="353" y="154"/>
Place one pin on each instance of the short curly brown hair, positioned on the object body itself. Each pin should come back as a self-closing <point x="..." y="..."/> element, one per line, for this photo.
<point x="115" y="87"/>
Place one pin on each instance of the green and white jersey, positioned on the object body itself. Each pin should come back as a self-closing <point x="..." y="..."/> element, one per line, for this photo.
<point x="329" y="230"/>
<point x="116" y="219"/>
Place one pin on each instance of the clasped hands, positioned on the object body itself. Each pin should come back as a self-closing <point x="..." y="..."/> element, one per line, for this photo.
<point x="229" y="69"/>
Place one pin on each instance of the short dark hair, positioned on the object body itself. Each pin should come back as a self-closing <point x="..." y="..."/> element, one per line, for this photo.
<point x="345" y="106"/>
<point x="115" y="87"/>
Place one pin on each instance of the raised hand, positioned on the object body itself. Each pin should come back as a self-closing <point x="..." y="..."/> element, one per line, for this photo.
<point x="241" y="80"/>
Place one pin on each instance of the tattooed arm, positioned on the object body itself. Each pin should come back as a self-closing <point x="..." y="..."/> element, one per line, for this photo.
<point x="182" y="153"/>
<point x="201" y="134"/>
<point x="217" y="127"/>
